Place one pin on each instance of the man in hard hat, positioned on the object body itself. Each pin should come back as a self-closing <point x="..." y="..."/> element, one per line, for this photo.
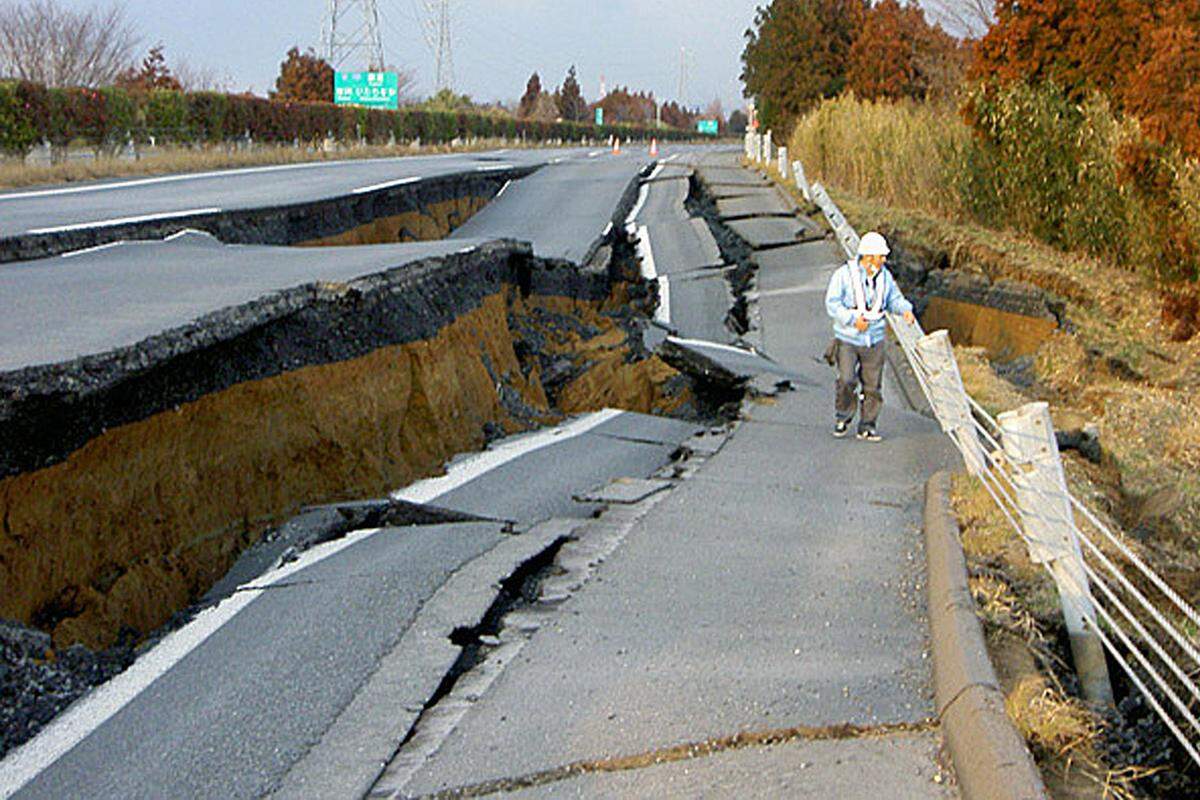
<point x="859" y="294"/>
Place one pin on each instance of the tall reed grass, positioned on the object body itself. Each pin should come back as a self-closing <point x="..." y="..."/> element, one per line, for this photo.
<point x="1075" y="176"/>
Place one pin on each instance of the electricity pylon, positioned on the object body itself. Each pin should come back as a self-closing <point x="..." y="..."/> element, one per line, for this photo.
<point x="351" y="31"/>
<point x="437" y="35"/>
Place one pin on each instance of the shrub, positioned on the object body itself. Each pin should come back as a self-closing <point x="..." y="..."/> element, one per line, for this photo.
<point x="207" y="114"/>
<point x="18" y="127"/>
<point x="167" y="115"/>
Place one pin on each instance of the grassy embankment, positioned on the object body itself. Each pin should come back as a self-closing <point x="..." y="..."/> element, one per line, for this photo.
<point x="916" y="172"/>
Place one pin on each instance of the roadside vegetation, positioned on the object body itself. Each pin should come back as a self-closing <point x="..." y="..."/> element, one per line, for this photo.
<point x="72" y="90"/>
<point x="1059" y="147"/>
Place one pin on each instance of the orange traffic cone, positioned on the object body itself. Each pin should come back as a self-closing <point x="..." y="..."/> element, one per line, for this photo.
<point x="654" y="148"/>
<point x="617" y="146"/>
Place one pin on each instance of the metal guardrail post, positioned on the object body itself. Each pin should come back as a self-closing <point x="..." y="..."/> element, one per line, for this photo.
<point x="802" y="180"/>
<point x="844" y="231"/>
<point x="783" y="162"/>
<point x="1027" y="436"/>
<point x="949" y="398"/>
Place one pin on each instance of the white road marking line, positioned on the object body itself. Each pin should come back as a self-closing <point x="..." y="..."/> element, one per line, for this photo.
<point x="557" y="160"/>
<point x="493" y="167"/>
<point x="502" y="189"/>
<point x="95" y="249"/>
<point x="188" y="232"/>
<point x="108" y="223"/>
<point x="87" y="714"/>
<point x="662" y="314"/>
<point x="385" y="185"/>
<point x="657" y="170"/>
<point x="470" y="468"/>
<point x="645" y="251"/>
<point x="671" y="158"/>
<point x="214" y="174"/>
<point x="643" y="193"/>
<point x="607" y="229"/>
<point x="595" y="153"/>
<point x="715" y="345"/>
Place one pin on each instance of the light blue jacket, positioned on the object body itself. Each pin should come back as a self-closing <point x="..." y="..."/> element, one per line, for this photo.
<point x="839" y="304"/>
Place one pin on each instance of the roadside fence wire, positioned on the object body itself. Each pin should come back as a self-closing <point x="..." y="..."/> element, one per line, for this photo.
<point x="1154" y="643"/>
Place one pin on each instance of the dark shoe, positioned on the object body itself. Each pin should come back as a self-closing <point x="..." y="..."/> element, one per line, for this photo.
<point x="869" y="435"/>
<point x="841" y="428"/>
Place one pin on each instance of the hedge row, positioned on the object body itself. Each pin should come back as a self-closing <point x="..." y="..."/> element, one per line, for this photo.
<point x="110" y="117"/>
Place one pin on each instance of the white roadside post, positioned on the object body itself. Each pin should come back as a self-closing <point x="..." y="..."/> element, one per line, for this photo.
<point x="1027" y="436"/>
<point x="783" y="162"/>
<point x="766" y="153"/>
<point x="802" y="180"/>
<point x="949" y="398"/>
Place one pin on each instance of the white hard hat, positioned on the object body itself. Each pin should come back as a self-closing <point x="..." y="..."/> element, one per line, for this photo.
<point x="873" y="244"/>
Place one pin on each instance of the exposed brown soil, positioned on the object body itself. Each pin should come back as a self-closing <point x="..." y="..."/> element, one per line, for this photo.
<point x="141" y="520"/>
<point x="433" y="221"/>
<point x="1003" y="334"/>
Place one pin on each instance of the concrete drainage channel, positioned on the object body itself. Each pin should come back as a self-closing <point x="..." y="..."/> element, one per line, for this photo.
<point x="313" y="397"/>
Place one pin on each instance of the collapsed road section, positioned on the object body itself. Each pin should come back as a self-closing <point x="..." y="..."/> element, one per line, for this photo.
<point x="224" y="388"/>
<point x="132" y="478"/>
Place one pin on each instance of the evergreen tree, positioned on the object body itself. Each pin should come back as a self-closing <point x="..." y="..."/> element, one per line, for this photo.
<point x="571" y="105"/>
<point x="533" y="90"/>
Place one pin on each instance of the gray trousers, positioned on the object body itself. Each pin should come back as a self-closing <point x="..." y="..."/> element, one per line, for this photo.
<point x="853" y="361"/>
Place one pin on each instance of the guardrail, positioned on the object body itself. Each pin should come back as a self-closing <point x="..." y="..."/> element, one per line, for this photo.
<point x="1114" y="604"/>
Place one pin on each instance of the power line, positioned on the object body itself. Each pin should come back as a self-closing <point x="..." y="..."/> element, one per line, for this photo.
<point x="351" y="30"/>
<point x="437" y="35"/>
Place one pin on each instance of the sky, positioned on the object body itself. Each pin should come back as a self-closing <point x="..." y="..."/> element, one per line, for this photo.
<point x="497" y="44"/>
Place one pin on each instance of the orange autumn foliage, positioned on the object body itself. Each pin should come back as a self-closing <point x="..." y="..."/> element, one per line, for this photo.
<point x="899" y="54"/>
<point x="1144" y="56"/>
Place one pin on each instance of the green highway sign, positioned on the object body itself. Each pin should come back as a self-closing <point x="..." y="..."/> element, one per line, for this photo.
<point x="708" y="127"/>
<point x="369" y="89"/>
<point x="599" y="116"/>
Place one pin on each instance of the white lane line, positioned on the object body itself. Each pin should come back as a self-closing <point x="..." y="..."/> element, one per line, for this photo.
<point x="607" y="229"/>
<point x="493" y="167"/>
<point x="95" y="249"/>
<point x="645" y="250"/>
<point x="643" y="193"/>
<point x="108" y="223"/>
<point x="470" y="468"/>
<point x="662" y="314"/>
<point x="714" y="345"/>
<point x="187" y="232"/>
<point x="670" y="158"/>
<point x="97" y="707"/>
<point x="657" y="170"/>
<point x="104" y="187"/>
<point x="595" y="153"/>
<point x="385" y="185"/>
<point x="502" y="190"/>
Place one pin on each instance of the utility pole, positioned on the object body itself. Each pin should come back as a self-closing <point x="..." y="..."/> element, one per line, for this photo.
<point x="351" y="31"/>
<point x="437" y="35"/>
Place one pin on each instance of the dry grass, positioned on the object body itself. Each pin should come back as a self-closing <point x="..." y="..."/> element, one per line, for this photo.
<point x="896" y="152"/>
<point x="14" y="174"/>
<point x="1019" y="607"/>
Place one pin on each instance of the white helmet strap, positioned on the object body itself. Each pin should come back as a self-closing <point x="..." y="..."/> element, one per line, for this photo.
<point x="858" y="276"/>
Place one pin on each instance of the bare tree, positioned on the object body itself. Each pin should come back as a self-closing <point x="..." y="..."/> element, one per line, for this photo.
<point x="43" y="42"/>
<point x="969" y="19"/>
<point x="202" y="79"/>
<point x="406" y="81"/>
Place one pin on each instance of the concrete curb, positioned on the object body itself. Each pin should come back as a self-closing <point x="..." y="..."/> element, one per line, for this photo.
<point x="990" y="758"/>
